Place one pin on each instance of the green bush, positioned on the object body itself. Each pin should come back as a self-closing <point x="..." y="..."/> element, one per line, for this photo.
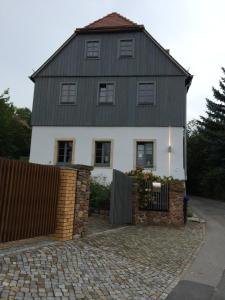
<point x="100" y="194"/>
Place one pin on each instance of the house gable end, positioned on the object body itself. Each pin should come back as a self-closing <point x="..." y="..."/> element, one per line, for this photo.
<point x="69" y="59"/>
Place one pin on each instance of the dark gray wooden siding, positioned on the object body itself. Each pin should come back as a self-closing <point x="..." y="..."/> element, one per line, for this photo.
<point x="168" y="110"/>
<point x="149" y="63"/>
<point x="148" y="59"/>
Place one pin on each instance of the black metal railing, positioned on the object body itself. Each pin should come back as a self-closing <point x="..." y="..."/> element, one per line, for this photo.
<point x="154" y="198"/>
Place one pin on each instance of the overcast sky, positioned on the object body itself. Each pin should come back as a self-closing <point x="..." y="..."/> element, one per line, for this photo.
<point x="193" y="30"/>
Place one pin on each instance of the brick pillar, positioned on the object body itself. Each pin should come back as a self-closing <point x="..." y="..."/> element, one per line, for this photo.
<point x="66" y="204"/>
<point x="82" y="199"/>
<point x="177" y="192"/>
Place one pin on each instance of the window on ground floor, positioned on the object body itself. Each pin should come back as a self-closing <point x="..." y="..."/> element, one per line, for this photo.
<point x="144" y="154"/>
<point x="102" y="153"/>
<point x="64" y="152"/>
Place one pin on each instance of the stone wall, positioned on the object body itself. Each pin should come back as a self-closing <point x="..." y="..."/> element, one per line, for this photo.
<point x="172" y="217"/>
<point x="82" y="199"/>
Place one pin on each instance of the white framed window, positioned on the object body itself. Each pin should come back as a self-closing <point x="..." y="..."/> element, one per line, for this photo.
<point x="146" y="92"/>
<point x="144" y="154"/>
<point x="92" y="49"/>
<point x="126" y="48"/>
<point x="102" y="153"/>
<point x="106" y="93"/>
<point x="64" y="152"/>
<point x="68" y="93"/>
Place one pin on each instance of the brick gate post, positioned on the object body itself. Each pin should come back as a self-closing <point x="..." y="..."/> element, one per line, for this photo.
<point x="66" y="204"/>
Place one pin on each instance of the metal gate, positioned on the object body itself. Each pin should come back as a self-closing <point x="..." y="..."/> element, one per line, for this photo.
<point x="28" y="199"/>
<point x="121" y="199"/>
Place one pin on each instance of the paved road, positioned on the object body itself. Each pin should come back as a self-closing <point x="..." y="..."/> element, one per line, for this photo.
<point x="134" y="262"/>
<point x="207" y="271"/>
<point x="210" y="263"/>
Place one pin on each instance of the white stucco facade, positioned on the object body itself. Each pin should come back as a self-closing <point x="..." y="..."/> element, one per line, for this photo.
<point x="123" y="141"/>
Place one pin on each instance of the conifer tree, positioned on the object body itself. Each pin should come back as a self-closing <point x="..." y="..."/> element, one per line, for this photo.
<point x="212" y="127"/>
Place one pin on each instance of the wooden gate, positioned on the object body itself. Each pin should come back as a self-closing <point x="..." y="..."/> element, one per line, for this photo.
<point x="28" y="199"/>
<point x="121" y="199"/>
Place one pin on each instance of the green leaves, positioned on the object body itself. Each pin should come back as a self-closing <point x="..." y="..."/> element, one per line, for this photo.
<point x="15" y="129"/>
<point x="99" y="194"/>
<point x="206" y="148"/>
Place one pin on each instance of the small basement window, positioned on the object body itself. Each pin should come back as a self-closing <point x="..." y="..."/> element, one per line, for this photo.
<point x="102" y="153"/>
<point x="144" y="157"/>
<point x="106" y="93"/>
<point x="146" y="93"/>
<point x="64" y="152"/>
<point x="68" y="93"/>
<point x="126" y="48"/>
<point x="93" y="49"/>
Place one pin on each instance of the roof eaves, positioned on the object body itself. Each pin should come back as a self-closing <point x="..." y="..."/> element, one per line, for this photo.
<point x="110" y="29"/>
<point x="32" y="77"/>
<point x="186" y="73"/>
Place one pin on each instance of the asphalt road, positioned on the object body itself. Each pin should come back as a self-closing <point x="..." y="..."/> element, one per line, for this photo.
<point x="206" y="277"/>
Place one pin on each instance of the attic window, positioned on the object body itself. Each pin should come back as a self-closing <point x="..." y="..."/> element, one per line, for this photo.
<point x="68" y="93"/>
<point x="93" y="49"/>
<point x="146" y="93"/>
<point x="126" y="48"/>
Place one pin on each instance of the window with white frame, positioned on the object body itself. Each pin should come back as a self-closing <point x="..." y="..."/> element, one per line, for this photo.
<point x="146" y="93"/>
<point x="126" y="48"/>
<point x="144" y="154"/>
<point x="68" y="93"/>
<point x="102" y="153"/>
<point x="93" y="49"/>
<point x="64" y="152"/>
<point x="106" y="93"/>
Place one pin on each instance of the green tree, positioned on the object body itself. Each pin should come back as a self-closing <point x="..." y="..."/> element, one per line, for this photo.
<point x="15" y="129"/>
<point x="212" y="130"/>
<point x="195" y="158"/>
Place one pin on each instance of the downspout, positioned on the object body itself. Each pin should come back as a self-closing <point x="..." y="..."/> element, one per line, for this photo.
<point x="169" y="150"/>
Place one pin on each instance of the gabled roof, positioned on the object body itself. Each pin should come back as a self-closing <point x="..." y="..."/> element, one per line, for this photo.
<point x="111" y="22"/>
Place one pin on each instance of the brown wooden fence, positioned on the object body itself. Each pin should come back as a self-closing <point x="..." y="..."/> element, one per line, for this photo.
<point x="28" y="199"/>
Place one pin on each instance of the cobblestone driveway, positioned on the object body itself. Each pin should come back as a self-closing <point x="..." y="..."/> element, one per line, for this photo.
<point x="127" y="263"/>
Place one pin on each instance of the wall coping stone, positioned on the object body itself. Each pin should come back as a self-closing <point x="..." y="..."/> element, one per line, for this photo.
<point x="80" y="167"/>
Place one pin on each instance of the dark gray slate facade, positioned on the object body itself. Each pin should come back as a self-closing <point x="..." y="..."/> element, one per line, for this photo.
<point x="149" y="63"/>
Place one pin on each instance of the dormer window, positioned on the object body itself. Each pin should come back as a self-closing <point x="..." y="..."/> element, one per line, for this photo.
<point x="126" y="48"/>
<point x="93" y="49"/>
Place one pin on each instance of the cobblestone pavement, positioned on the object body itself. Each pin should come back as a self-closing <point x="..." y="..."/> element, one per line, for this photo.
<point x="98" y="223"/>
<point x="134" y="262"/>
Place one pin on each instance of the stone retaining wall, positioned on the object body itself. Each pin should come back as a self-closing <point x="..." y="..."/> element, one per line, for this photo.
<point x="82" y="199"/>
<point x="175" y="214"/>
